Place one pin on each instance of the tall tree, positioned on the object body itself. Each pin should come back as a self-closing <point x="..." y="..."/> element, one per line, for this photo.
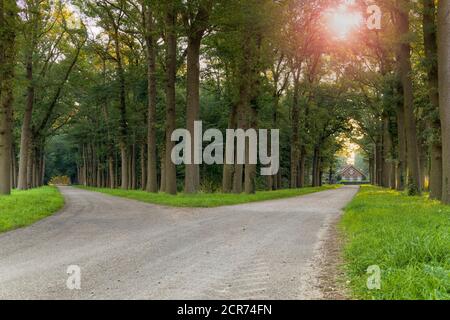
<point x="255" y="89"/>
<point x="444" y="92"/>
<point x="31" y="35"/>
<point x="280" y="78"/>
<point x="430" y="44"/>
<point x="295" y="123"/>
<point x="403" y="25"/>
<point x="8" y="12"/>
<point x="401" y="134"/>
<point x="115" y="24"/>
<point x="196" y="21"/>
<point x="171" y="69"/>
<point x="150" y="31"/>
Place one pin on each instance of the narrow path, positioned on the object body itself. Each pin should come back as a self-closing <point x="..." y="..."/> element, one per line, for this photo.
<point x="132" y="250"/>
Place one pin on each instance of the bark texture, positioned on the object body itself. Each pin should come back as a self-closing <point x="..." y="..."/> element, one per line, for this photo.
<point x="430" y="44"/>
<point x="196" y="28"/>
<point x="152" y="174"/>
<point x="444" y="92"/>
<point x="414" y="176"/>
<point x="171" y="65"/>
<point x="7" y="61"/>
<point x="295" y="136"/>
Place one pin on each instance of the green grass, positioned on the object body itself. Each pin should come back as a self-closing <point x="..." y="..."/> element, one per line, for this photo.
<point x="407" y="237"/>
<point x="207" y="200"/>
<point x="23" y="208"/>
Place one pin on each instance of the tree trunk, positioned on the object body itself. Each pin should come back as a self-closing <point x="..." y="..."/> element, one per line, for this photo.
<point x="250" y="169"/>
<point x="238" y="176"/>
<point x="316" y="167"/>
<point x="387" y="152"/>
<point x="192" y="179"/>
<point x="34" y="170"/>
<point x="133" y="167"/>
<point x="195" y="31"/>
<point x="116" y="170"/>
<point x="84" y="169"/>
<point x="247" y="83"/>
<point x="379" y="162"/>
<point x="330" y="175"/>
<point x="228" y="169"/>
<point x="301" y="173"/>
<point x="372" y="169"/>
<point x="375" y="165"/>
<point x="250" y="176"/>
<point x="242" y="107"/>
<point x="112" y="180"/>
<point x="295" y="122"/>
<point x="143" y="182"/>
<point x="152" y="173"/>
<point x="272" y="180"/>
<point x="30" y="160"/>
<point x="13" y="167"/>
<point x="414" y="183"/>
<point x="105" y="177"/>
<point x="444" y="92"/>
<point x="227" y="179"/>
<point x="280" y="181"/>
<point x="99" y="174"/>
<point x="123" y="127"/>
<point x="436" y="172"/>
<point x="424" y="165"/>
<point x="171" y="65"/>
<point x="43" y="167"/>
<point x="7" y="61"/>
<point x="402" y="161"/>
<point x="393" y="175"/>
<point x="26" y="125"/>
<point x="130" y="170"/>
<point x="430" y="44"/>
<point x="5" y="139"/>
<point x="163" y="172"/>
<point x="93" y="166"/>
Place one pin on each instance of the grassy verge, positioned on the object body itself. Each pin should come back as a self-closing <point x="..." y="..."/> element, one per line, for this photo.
<point x="205" y="200"/>
<point x="407" y="237"/>
<point x="23" y="208"/>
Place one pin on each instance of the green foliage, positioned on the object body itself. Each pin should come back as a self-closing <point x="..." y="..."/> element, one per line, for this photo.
<point x="412" y="189"/>
<point x="60" y="158"/>
<point x="24" y="208"/>
<point x="60" y="180"/>
<point x="208" y="200"/>
<point x="407" y="237"/>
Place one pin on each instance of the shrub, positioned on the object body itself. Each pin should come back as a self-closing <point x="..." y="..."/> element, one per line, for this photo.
<point x="60" y="180"/>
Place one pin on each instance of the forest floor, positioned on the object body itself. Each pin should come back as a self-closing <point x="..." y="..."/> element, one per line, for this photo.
<point x="23" y="208"/>
<point x="406" y="237"/>
<point x="128" y="249"/>
<point x="208" y="200"/>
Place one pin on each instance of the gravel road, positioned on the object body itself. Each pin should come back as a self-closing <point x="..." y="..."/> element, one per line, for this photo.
<point x="131" y="250"/>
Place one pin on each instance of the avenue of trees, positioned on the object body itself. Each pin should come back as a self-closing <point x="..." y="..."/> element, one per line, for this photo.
<point x="95" y="88"/>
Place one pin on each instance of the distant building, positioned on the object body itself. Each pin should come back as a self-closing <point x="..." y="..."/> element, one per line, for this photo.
<point x="352" y="174"/>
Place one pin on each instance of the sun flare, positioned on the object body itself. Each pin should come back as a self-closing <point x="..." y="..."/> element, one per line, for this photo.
<point x="342" y="21"/>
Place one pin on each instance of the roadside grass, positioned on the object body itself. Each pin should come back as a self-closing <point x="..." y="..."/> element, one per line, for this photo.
<point x="23" y="208"/>
<point x="407" y="237"/>
<point x="207" y="200"/>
